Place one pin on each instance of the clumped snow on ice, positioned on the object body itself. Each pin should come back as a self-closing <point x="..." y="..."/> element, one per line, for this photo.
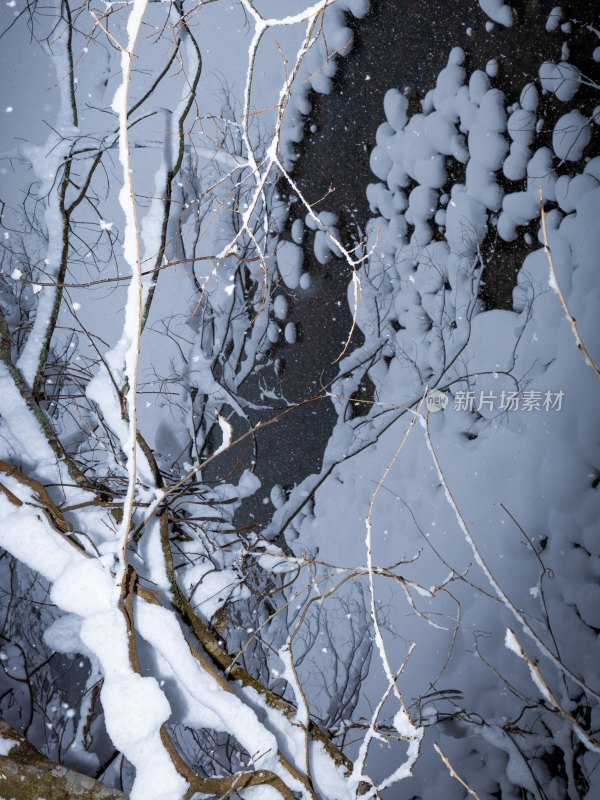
<point x="498" y="11"/>
<point x="467" y="486"/>
<point x="554" y="19"/>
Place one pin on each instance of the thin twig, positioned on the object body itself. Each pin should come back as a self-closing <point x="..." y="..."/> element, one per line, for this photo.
<point x="555" y="286"/>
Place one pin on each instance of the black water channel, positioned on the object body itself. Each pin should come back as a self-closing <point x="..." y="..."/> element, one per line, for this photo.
<point x="402" y="44"/>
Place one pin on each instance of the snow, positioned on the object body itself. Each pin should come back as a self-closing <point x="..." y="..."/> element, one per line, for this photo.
<point x="129" y="344"/>
<point x="290" y="333"/>
<point x="290" y="675"/>
<point x="305" y="281"/>
<point x="273" y="332"/>
<point x="46" y="162"/>
<point x="134" y="709"/>
<point x="297" y="231"/>
<point x="226" y="432"/>
<point x="405" y="282"/>
<point x="6" y="745"/>
<point x="554" y="19"/>
<point x="521" y="129"/>
<point x="562" y="79"/>
<point x="280" y="306"/>
<point x="330" y="781"/>
<point x="83" y="589"/>
<point x="571" y="135"/>
<point x="327" y="237"/>
<point x="492" y="68"/>
<point x="438" y="203"/>
<point x="86" y="580"/>
<point x="212" y="707"/>
<point x="63" y="636"/>
<point x="32" y="544"/>
<point x="513" y="645"/>
<point x="210" y="589"/>
<point x="289" y="263"/>
<point x="81" y="586"/>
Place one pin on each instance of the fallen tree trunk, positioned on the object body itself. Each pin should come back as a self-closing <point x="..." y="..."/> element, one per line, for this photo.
<point x="25" y="774"/>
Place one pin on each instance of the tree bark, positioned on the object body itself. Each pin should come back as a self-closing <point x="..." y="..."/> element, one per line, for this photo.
<point x="25" y="774"/>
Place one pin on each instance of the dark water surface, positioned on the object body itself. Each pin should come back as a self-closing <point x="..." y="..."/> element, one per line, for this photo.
<point x="401" y="43"/>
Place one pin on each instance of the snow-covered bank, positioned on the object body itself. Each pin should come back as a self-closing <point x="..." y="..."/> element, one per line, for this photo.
<point x="499" y="491"/>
